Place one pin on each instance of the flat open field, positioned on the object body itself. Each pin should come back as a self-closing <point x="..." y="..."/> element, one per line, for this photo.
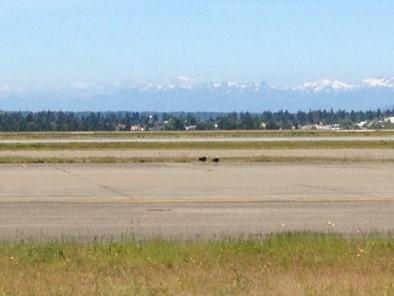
<point x="76" y="208"/>
<point x="265" y="182"/>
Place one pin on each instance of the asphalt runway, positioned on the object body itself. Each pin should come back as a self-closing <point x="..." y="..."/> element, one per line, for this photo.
<point x="87" y="221"/>
<point x="193" y="200"/>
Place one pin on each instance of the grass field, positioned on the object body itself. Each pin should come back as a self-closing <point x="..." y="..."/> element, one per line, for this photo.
<point x="180" y="159"/>
<point x="382" y="144"/>
<point x="187" y="142"/>
<point x="283" y="264"/>
<point x="191" y="134"/>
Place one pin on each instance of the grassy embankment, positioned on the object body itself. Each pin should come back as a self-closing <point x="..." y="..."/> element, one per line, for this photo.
<point x="285" y="264"/>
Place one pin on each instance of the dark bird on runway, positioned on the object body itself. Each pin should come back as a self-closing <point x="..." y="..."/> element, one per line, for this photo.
<point x="203" y="159"/>
<point x="216" y="159"/>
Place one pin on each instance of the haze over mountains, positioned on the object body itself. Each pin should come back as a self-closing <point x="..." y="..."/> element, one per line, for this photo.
<point x="185" y="94"/>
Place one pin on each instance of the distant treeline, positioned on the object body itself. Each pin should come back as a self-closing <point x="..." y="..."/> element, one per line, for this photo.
<point x="111" y="121"/>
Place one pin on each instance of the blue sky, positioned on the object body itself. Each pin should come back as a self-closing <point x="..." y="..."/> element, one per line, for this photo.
<point x="50" y="43"/>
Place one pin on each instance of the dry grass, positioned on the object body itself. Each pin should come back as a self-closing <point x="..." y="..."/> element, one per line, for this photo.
<point x="191" y="134"/>
<point x="211" y="145"/>
<point x="286" y="264"/>
<point x="94" y="159"/>
<point x="181" y="159"/>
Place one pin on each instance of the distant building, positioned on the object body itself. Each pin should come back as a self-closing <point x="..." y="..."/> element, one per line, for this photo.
<point x="389" y="119"/>
<point x="191" y="127"/>
<point x="321" y="126"/>
<point x="362" y="124"/>
<point x="137" y="128"/>
<point x="307" y="127"/>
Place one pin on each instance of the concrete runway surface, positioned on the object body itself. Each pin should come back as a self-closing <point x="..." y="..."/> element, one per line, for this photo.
<point x="85" y="221"/>
<point x="193" y="200"/>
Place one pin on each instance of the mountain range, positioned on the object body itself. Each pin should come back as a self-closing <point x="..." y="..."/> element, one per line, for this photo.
<point x="184" y="94"/>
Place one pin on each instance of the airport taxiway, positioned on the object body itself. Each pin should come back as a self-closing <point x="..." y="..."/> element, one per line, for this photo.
<point x="193" y="200"/>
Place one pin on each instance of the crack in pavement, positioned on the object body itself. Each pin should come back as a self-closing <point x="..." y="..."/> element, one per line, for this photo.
<point x="102" y="186"/>
<point x="335" y="190"/>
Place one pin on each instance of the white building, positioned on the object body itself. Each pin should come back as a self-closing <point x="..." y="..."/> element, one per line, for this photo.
<point x="389" y="119"/>
<point x="190" y="127"/>
<point x="137" y="128"/>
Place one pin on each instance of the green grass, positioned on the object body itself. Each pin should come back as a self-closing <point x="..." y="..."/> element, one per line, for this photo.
<point x="283" y="264"/>
<point x="202" y="145"/>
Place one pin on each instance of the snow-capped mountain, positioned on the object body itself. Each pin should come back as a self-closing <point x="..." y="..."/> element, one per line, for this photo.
<point x="186" y="94"/>
<point x="331" y="85"/>
<point x="378" y="82"/>
<point x="326" y="85"/>
<point x="181" y="82"/>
